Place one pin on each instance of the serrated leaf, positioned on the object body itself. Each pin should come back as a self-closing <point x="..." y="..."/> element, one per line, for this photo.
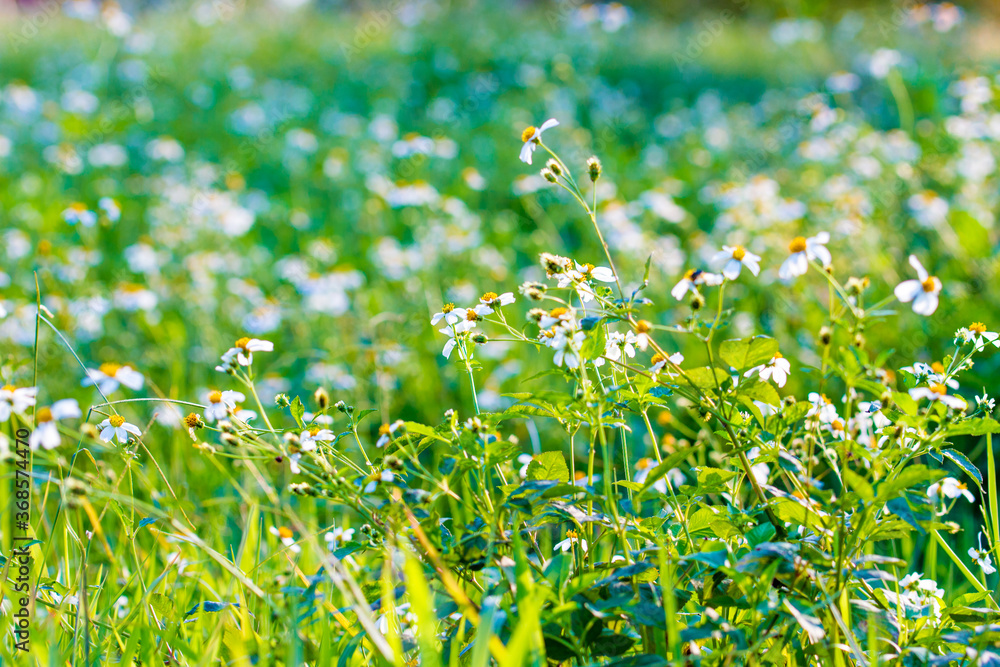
<point x="548" y="466"/>
<point x="974" y="427"/>
<point x="748" y="352"/>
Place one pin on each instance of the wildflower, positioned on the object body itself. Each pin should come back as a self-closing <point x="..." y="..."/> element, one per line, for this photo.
<point x="377" y="478"/>
<point x="561" y="317"/>
<point x="922" y="292"/>
<point x="591" y="272"/>
<point x="977" y="334"/>
<point x="532" y="136"/>
<point x="950" y="488"/>
<point x="110" y="208"/>
<point x="982" y="557"/>
<point x="691" y="280"/>
<point x="554" y="265"/>
<point x="109" y="376"/>
<point x="338" y="536"/>
<point x="243" y="350"/>
<point x="220" y="403"/>
<point x="15" y="400"/>
<point x="309" y="437"/>
<point x="386" y="432"/>
<point x="491" y="300"/>
<point x="46" y="434"/>
<point x="642" y="329"/>
<point x="448" y="314"/>
<point x="567" y="348"/>
<point x="822" y="409"/>
<point x="571" y="538"/>
<point x="115" y="426"/>
<point x="659" y="361"/>
<point x="78" y="213"/>
<point x="617" y="344"/>
<point x="453" y="332"/>
<point x="938" y="392"/>
<point x="286" y="536"/>
<point x="803" y="250"/>
<point x="777" y="368"/>
<point x="986" y="403"/>
<point x="732" y="259"/>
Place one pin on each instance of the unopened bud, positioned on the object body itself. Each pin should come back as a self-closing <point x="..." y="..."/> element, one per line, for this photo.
<point x="594" y="168"/>
<point x="322" y="398"/>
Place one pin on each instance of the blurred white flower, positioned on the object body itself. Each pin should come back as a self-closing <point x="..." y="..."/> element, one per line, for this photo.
<point x="532" y="136"/>
<point x="923" y="292"/>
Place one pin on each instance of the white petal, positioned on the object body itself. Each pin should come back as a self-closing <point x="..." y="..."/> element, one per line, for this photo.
<point x="925" y="303"/>
<point x="526" y="150"/>
<point x="921" y="271"/>
<point x="551" y="122"/>
<point x="907" y="290"/>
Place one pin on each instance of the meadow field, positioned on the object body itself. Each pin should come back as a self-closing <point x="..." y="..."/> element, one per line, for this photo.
<point x="471" y="334"/>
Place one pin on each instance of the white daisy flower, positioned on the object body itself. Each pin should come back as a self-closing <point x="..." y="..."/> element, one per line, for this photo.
<point x="571" y="538"/>
<point x="732" y="259"/>
<point x="803" y="250"/>
<point x="311" y="436"/>
<point x="377" y="478"/>
<point x="115" y="426"/>
<point x="777" y="368"/>
<point x="16" y="400"/>
<point x="938" y="392"/>
<point x="532" y="136"/>
<point x="922" y="292"/>
<point x="110" y="208"/>
<point x="243" y="350"/>
<point x="46" y="433"/>
<point x="822" y="409"/>
<point x="950" y="488"/>
<point x="108" y="377"/>
<point x="691" y="280"/>
<point x="338" y="536"/>
<point x="986" y="403"/>
<point x="982" y="557"/>
<point x="449" y="314"/>
<point x="220" y="403"/>
<point x="386" y="432"/>
<point x="78" y="213"/>
<point x="659" y="362"/>
<point x="286" y="536"/>
<point x="567" y="348"/>
<point x="618" y="344"/>
<point x="491" y="300"/>
<point x="980" y="337"/>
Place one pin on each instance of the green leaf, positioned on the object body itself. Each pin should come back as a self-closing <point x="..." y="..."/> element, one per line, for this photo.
<point x="704" y="377"/>
<point x="748" y="352"/>
<point x="760" y="391"/>
<point x="974" y="427"/>
<point x="971" y="234"/>
<point x="962" y="461"/>
<point x="297" y="410"/>
<point x="548" y="466"/>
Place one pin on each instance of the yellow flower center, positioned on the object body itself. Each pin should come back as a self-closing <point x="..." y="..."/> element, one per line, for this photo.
<point x="930" y="284"/>
<point x="739" y="252"/>
<point x="447" y="308"/>
<point x="691" y="273"/>
<point x="215" y="397"/>
<point x="242" y="343"/>
<point x="643" y="326"/>
<point x="314" y="430"/>
<point x="109" y="369"/>
<point x="192" y="420"/>
<point x="528" y="133"/>
<point x="937" y="367"/>
<point x="571" y="534"/>
<point x="939" y="389"/>
<point x="777" y="355"/>
<point x="43" y="415"/>
<point x="490" y="297"/>
<point x="8" y="387"/>
<point x="116" y="420"/>
<point x="284" y="533"/>
<point x="472" y="316"/>
<point x="798" y="244"/>
<point x="558" y="312"/>
<point x="977" y="327"/>
<point x="384" y="429"/>
<point x="838" y="425"/>
<point x="658" y="358"/>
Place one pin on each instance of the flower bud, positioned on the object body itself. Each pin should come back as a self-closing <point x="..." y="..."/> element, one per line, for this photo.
<point x="322" y="398"/>
<point x="825" y="335"/>
<point x="549" y="176"/>
<point x="282" y="400"/>
<point x="594" y="168"/>
<point x="554" y="166"/>
<point x="480" y="339"/>
<point x="697" y="302"/>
